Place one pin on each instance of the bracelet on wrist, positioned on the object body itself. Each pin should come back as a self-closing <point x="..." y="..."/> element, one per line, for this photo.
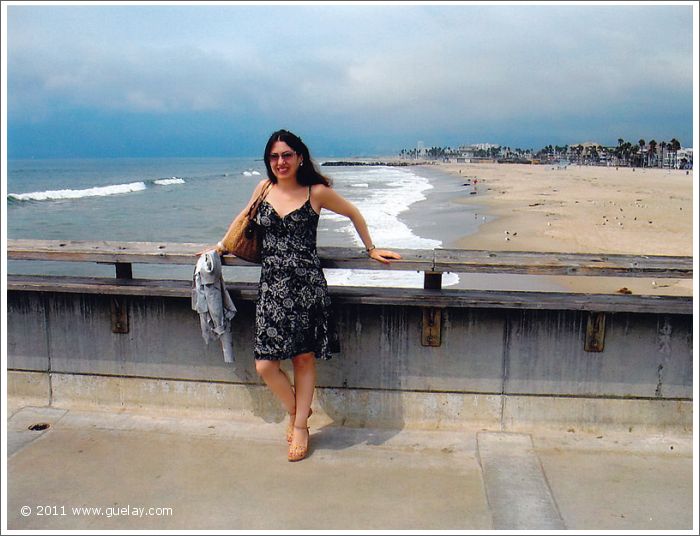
<point x="369" y="249"/>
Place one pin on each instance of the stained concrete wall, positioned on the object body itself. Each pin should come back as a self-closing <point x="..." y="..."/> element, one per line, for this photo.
<point x="488" y="353"/>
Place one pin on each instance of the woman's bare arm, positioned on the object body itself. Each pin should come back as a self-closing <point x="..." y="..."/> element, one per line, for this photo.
<point x="333" y="201"/>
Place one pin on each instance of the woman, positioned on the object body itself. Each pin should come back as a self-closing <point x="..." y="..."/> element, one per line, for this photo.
<point x="292" y="315"/>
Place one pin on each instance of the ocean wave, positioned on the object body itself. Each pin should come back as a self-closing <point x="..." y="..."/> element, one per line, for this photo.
<point x="360" y="185"/>
<point x="250" y="173"/>
<point x="51" y="195"/>
<point x="173" y="180"/>
<point x="393" y="191"/>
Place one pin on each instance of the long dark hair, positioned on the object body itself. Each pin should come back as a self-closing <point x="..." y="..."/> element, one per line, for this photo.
<point x="307" y="173"/>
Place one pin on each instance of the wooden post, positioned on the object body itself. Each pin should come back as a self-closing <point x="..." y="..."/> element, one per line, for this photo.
<point x="432" y="316"/>
<point x="124" y="270"/>
<point x="432" y="280"/>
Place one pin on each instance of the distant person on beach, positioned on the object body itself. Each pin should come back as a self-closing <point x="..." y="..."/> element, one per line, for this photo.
<point x="293" y="318"/>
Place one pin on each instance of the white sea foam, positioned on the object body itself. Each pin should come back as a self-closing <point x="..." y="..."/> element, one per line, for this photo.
<point x="380" y="278"/>
<point x="393" y="191"/>
<point x="164" y="182"/>
<point x="388" y="193"/>
<point x="49" y="195"/>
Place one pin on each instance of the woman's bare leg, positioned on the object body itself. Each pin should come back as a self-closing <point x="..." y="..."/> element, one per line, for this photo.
<point x="278" y="382"/>
<point x="304" y="385"/>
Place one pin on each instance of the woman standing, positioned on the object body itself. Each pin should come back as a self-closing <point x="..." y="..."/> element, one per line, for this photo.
<point x="292" y="315"/>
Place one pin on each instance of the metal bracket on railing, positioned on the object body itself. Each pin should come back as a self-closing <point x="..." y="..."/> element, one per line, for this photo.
<point x="595" y="333"/>
<point x="432" y="324"/>
<point x="120" y="317"/>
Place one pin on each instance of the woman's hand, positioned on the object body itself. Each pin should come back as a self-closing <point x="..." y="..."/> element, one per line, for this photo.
<point x="383" y="255"/>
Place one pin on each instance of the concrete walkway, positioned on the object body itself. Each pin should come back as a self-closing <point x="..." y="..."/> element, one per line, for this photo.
<point x="122" y="470"/>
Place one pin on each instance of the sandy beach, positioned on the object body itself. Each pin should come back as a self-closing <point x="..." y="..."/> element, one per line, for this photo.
<point x="582" y="209"/>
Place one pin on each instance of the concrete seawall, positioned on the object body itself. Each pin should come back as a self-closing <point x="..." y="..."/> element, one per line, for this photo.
<point x="495" y="368"/>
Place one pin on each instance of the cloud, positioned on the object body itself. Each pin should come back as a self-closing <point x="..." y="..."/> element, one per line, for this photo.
<point x="389" y="67"/>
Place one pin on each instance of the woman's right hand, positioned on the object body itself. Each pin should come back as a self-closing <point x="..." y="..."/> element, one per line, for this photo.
<point x="217" y="248"/>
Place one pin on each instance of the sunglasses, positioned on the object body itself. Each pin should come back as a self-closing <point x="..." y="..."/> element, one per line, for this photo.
<point x="285" y="156"/>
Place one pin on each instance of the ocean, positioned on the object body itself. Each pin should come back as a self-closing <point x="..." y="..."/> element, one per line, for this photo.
<point x="195" y="199"/>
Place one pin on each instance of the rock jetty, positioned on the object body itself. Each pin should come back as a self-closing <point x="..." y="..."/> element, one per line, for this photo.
<point x="371" y="163"/>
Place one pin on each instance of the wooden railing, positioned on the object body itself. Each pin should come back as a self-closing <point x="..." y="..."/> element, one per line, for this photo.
<point x="433" y="263"/>
<point x="432" y="298"/>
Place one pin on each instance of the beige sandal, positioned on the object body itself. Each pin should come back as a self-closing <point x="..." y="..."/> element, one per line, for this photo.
<point x="290" y="426"/>
<point x="298" y="452"/>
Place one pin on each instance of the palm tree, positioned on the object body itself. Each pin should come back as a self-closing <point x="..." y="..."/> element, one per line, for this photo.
<point x="635" y="154"/>
<point x="641" y="150"/>
<point x="652" y="151"/>
<point x="675" y="146"/>
<point x="620" y="151"/>
<point x="663" y="149"/>
<point x="628" y="152"/>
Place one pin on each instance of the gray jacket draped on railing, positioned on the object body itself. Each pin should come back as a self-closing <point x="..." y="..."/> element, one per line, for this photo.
<point x="213" y="302"/>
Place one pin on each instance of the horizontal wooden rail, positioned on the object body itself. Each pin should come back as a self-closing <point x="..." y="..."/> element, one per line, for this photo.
<point x="436" y="261"/>
<point x="588" y="264"/>
<point x="185" y="253"/>
<point x="460" y="298"/>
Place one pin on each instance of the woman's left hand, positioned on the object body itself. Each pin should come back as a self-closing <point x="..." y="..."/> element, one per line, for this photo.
<point x="218" y="248"/>
<point x="383" y="255"/>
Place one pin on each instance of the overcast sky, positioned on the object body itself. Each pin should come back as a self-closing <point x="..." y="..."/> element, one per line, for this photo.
<point x="216" y="80"/>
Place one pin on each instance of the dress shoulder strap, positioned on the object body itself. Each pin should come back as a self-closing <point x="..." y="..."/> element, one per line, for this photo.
<point x="309" y="193"/>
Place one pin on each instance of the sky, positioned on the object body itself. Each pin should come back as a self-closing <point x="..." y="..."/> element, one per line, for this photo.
<point x="351" y="79"/>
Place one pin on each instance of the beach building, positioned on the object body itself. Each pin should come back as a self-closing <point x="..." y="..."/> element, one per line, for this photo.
<point x="684" y="158"/>
<point x="477" y="152"/>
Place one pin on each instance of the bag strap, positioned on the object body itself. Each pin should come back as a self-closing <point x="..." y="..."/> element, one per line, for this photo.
<point x="256" y="204"/>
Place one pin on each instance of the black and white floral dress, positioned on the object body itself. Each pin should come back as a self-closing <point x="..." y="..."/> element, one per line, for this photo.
<point x="292" y="313"/>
